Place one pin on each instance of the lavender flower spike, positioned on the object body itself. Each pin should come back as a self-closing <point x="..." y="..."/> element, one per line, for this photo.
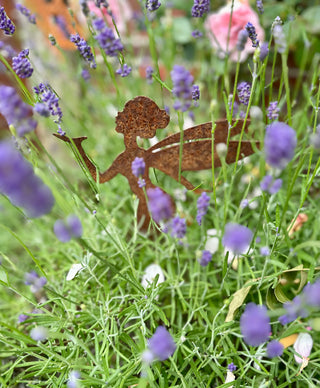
<point x="161" y="344"/>
<point x="138" y="167"/>
<point x="255" y="324"/>
<point x="252" y="34"/>
<point x="202" y="205"/>
<point x="237" y="238"/>
<point x="6" y="24"/>
<point x="152" y="5"/>
<point x="244" y="91"/>
<point x="124" y="70"/>
<point x="274" y="349"/>
<point x="67" y="229"/>
<point x="182" y="88"/>
<point x="106" y="39"/>
<point x="178" y="227"/>
<point x="84" y="49"/>
<point x="200" y="7"/>
<point x="159" y="204"/>
<point x="21" y="65"/>
<point x="279" y="144"/>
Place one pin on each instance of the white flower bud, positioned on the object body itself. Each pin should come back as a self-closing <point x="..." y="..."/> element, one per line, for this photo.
<point x="303" y="346"/>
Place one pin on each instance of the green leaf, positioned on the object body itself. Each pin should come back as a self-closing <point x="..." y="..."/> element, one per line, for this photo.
<point x="280" y="295"/>
<point x="271" y="299"/>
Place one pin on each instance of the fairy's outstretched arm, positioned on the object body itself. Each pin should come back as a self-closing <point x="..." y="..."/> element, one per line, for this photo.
<point x="104" y="177"/>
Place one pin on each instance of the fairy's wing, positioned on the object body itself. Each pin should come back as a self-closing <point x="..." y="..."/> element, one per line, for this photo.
<point x="204" y="131"/>
<point x="196" y="155"/>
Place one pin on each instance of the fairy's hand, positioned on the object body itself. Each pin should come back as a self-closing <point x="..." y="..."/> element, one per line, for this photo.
<point x="76" y="140"/>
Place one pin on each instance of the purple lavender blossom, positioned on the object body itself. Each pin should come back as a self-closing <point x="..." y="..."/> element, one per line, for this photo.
<point x="15" y="111"/>
<point x="60" y="21"/>
<point x="242" y="39"/>
<point x="21" y="64"/>
<point x="152" y="5"/>
<point x="67" y="229"/>
<point x="237" y="238"/>
<point x="124" y="70"/>
<point x="182" y="88"/>
<point x="264" y="51"/>
<point x="19" y="183"/>
<point x="178" y="227"/>
<point x="39" y="333"/>
<point x="252" y="34"/>
<point x="106" y="39"/>
<point x="200" y="7"/>
<point x="35" y="282"/>
<point x="244" y="91"/>
<point x="48" y="97"/>
<point x="161" y="344"/>
<point x="264" y="251"/>
<point x="22" y="318"/>
<point x="84" y="49"/>
<point x="244" y="203"/>
<point x="202" y="206"/>
<point x="255" y="324"/>
<point x="279" y="144"/>
<point x="269" y="185"/>
<point x="274" y="349"/>
<point x="259" y="5"/>
<point x="232" y="367"/>
<point x="294" y="309"/>
<point x="26" y="12"/>
<point x="73" y="380"/>
<point x="149" y="72"/>
<point x="141" y="182"/>
<point x="196" y="34"/>
<point x="41" y="109"/>
<point x="279" y="38"/>
<point x="205" y="258"/>
<point x="85" y="74"/>
<point x="273" y="111"/>
<point x="311" y="294"/>
<point x="195" y="92"/>
<point x="6" y="24"/>
<point x="7" y="50"/>
<point x="159" y="204"/>
<point x="138" y="166"/>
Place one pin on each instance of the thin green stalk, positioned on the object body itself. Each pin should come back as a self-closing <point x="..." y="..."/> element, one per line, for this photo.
<point x="284" y="58"/>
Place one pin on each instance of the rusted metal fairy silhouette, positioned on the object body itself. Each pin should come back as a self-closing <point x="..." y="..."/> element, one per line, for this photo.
<point x="142" y="117"/>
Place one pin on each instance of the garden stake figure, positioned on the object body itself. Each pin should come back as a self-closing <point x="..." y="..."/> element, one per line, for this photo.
<point x="142" y="117"/>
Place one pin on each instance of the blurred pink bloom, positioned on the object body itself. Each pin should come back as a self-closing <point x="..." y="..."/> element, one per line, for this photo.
<point x="121" y="12"/>
<point x="217" y="25"/>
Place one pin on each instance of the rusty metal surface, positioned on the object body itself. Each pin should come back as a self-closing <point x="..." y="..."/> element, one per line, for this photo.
<point x="142" y="117"/>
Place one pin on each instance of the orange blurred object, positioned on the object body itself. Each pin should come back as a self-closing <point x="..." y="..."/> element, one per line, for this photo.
<point x="54" y="17"/>
<point x="297" y="224"/>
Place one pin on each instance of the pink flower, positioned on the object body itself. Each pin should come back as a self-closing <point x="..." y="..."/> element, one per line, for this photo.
<point x="121" y="12"/>
<point x="217" y="25"/>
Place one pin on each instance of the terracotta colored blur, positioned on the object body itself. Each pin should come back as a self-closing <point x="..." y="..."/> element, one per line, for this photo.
<point x="142" y="117"/>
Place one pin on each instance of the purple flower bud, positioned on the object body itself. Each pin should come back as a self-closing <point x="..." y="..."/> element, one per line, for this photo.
<point x="159" y="204"/>
<point x="205" y="258"/>
<point x="197" y="34"/>
<point x="39" y="333"/>
<point x="264" y="50"/>
<point x="21" y="65"/>
<point x="232" y="367"/>
<point x="195" y="92"/>
<point x="22" y="318"/>
<point x="259" y="5"/>
<point x="26" y="12"/>
<point x="237" y="238"/>
<point x="255" y="324"/>
<point x="124" y="70"/>
<point x="74" y="378"/>
<point x="182" y="88"/>
<point x="279" y="144"/>
<point x="244" y="91"/>
<point x="200" y="7"/>
<point x="48" y="97"/>
<point x="202" y="206"/>
<point x="178" y="227"/>
<point x="270" y="185"/>
<point x="273" y="111"/>
<point x="252" y="34"/>
<point x="67" y="229"/>
<point x="6" y="24"/>
<point x="264" y="251"/>
<point x="84" y="49"/>
<point x="149" y="72"/>
<point x="161" y="344"/>
<point x="85" y="74"/>
<point x="152" y="5"/>
<point x="274" y="349"/>
<point x="35" y="282"/>
<point x="41" y="109"/>
<point x="311" y="294"/>
<point x="106" y="39"/>
<point x="279" y="38"/>
<point x="138" y="167"/>
<point x="242" y="39"/>
<point x="294" y="309"/>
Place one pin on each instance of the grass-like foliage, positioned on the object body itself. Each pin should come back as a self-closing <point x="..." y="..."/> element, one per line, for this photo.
<point x="232" y="296"/>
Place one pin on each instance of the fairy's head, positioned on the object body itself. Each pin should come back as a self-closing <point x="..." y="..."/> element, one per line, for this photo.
<point x="141" y="117"/>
